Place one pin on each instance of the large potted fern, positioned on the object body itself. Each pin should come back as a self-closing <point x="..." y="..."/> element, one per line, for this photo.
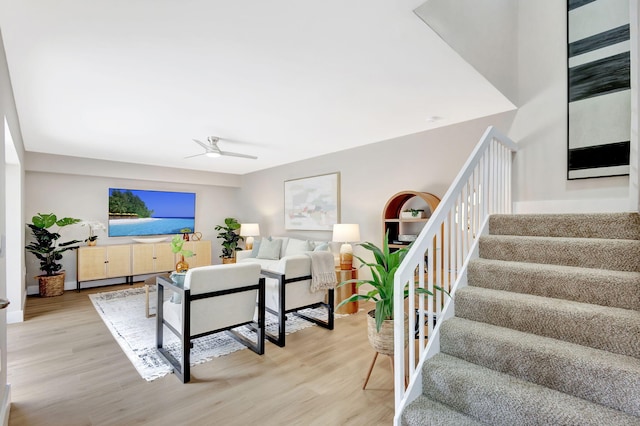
<point x="383" y="269"/>
<point x="49" y="251"/>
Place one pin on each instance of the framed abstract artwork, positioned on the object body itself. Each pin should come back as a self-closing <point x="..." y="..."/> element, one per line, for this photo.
<point x="599" y="88"/>
<point x="312" y="203"/>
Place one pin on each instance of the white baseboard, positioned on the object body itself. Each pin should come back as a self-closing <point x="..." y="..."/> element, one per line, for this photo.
<point x="15" y="316"/>
<point x="599" y="205"/>
<point x="6" y="405"/>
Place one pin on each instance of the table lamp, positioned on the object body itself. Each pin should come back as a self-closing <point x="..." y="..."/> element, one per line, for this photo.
<point x="249" y="230"/>
<point x="346" y="233"/>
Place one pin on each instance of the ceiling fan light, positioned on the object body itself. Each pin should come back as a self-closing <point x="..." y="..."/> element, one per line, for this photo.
<point x="212" y="154"/>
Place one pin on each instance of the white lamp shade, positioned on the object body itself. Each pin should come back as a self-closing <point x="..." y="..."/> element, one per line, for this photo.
<point x="346" y="232"/>
<point x="249" y="229"/>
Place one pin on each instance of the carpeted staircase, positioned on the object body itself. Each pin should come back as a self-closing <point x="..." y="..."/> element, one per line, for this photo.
<point x="548" y="330"/>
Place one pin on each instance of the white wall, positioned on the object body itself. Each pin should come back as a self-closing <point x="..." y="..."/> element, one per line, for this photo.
<point x="370" y="175"/>
<point x="86" y="197"/>
<point x="540" y="126"/>
<point x="12" y="242"/>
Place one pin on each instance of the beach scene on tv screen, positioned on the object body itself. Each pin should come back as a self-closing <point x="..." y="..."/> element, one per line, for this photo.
<point x="142" y="212"/>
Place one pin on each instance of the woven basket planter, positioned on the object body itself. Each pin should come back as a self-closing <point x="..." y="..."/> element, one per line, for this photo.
<point x="52" y="285"/>
<point x="382" y="342"/>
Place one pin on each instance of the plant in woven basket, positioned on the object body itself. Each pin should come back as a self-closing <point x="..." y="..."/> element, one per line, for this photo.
<point x="230" y="237"/>
<point x="382" y="275"/>
<point x="49" y="251"/>
<point x="46" y="246"/>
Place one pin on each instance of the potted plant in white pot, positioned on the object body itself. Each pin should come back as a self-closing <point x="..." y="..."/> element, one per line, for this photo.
<point x="94" y="227"/>
<point x="383" y="269"/>
<point x="49" y="251"/>
<point x="230" y="236"/>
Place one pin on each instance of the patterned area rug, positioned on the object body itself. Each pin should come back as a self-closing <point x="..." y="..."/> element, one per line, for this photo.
<point x="123" y="313"/>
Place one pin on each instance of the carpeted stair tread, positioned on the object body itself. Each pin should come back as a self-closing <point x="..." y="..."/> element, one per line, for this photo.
<point x="598" y="376"/>
<point x="438" y="415"/>
<point x="613" y="329"/>
<point x="597" y="225"/>
<point x="620" y="289"/>
<point x="500" y="399"/>
<point x="620" y="255"/>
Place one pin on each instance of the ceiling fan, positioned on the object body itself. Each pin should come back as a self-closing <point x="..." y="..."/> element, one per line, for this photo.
<point x="212" y="150"/>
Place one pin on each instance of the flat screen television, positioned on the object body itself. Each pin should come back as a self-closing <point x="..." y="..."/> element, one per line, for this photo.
<point x="138" y="212"/>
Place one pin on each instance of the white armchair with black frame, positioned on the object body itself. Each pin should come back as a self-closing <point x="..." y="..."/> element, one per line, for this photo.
<point x="214" y="299"/>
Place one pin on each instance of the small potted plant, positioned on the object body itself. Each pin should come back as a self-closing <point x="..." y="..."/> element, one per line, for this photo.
<point x="185" y="233"/>
<point x="230" y="239"/>
<point x="49" y="251"/>
<point x="412" y="214"/>
<point x="94" y="227"/>
<point x="177" y="247"/>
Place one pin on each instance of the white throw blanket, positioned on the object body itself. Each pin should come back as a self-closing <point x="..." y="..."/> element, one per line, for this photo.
<point x="323" y="274"/>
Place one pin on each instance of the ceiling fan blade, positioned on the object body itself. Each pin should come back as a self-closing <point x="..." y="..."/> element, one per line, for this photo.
<point x="202" y="144"/>
<point x="197" y="155"/>
<point x="235" y="154"/>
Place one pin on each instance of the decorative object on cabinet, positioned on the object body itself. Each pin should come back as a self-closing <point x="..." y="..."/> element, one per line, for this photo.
<point x="177" y="243"/>
<point x="49" y="251"/>
<point x="151" y="240"/>
<point x="412" y="214"/>
<point x="249" y="230"/>
<point x="196" y="236"/>
<point x="230" y="239"/>
<point x="94" y="227"/>
<point x="346" y="233"/>
<point x="394" y="224"/>
<point x="312" y="203"/>
<point x="185" y="233"/>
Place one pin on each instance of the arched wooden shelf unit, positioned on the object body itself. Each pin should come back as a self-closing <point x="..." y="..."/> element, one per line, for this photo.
<point x="393" y="221"/>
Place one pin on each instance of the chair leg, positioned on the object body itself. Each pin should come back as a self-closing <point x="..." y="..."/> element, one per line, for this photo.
<point x="375" y="356"/>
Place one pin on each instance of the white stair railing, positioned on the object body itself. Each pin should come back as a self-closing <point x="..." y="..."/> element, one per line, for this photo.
<point x="437" y="257"/>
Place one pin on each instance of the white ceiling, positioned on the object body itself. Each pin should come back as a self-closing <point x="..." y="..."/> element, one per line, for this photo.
<point x="285" y="80"/>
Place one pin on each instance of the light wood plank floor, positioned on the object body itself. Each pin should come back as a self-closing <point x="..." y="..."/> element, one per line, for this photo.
<point x="65" y="368"/>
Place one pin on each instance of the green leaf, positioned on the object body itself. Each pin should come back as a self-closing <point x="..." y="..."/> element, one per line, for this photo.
<point x="44" y="220"/>
<point x="66" y="221"/>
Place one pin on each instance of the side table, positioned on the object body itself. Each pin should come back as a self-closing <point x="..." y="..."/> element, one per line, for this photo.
<point x="346" y="291"/>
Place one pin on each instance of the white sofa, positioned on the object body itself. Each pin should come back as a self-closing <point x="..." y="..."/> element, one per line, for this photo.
<point x="288" y="280"/>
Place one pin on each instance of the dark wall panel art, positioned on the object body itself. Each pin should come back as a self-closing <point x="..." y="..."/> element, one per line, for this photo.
<point x="599" y="88"/>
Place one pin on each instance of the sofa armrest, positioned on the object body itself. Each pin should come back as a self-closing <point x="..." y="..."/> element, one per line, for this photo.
<point x="296" y="265"/>
<point x="242" y="254"/>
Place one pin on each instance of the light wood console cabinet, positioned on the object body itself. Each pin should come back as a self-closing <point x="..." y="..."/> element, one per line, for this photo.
<point x="101" y="262"/>
<point x="127" y="260"/>
<point x="201" y="253"/>
<point x="152" y="258"/>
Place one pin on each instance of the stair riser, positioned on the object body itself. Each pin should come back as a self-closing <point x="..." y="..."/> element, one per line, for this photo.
<point x="614" y="226"/>
<point x="597" y="376"/>
<point x="576" y="324"/>
<point x="620" y="255"/>
<point x="580" y="285"/>
<point x="499" y="399"/>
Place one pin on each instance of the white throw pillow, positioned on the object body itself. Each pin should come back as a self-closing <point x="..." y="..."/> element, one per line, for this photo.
<point x="255" y="249"/>
<point x="322" y="247"/>
<point x="297" y="246"/>
<point x="269" y="249"/>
